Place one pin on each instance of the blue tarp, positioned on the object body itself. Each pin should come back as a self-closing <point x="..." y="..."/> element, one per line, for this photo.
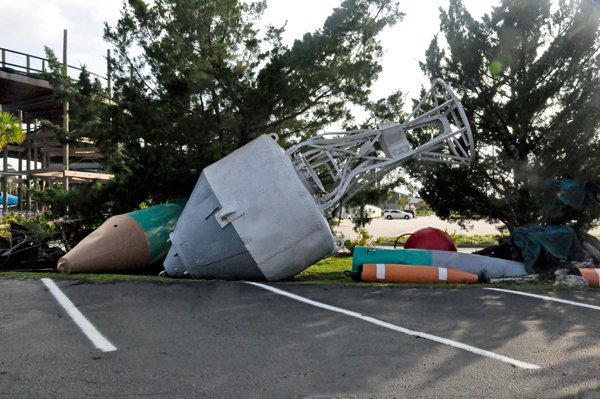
<point x="12" y="199"/>
<point x="573" y="193"/>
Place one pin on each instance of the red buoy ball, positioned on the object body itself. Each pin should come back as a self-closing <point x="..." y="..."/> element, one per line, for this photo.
<point x="430" y="238"/>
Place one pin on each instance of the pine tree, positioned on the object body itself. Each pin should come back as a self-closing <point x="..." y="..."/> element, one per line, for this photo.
<point x="206" y="82"/>
<point x="528" y="76"/>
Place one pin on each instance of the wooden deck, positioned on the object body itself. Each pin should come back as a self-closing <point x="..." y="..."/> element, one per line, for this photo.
<point x="24" y="93"/>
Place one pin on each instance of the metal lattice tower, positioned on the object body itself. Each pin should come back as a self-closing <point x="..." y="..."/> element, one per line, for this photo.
<point x="359" y="158"/>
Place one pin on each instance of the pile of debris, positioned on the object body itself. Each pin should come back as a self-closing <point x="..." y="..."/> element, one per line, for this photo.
<point x="25" y="249"/>
<point x="531" y="254"/>
<point x="557" y="253"/>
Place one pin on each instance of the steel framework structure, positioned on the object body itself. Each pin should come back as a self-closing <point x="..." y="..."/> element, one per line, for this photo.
<point x="359" y="158"/>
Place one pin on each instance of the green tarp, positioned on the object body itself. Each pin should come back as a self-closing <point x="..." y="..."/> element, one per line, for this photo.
<point x="559" y="241"/>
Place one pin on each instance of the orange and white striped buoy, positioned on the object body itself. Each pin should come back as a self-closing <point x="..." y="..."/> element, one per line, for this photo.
<point x="591" y="275"/>
<point x="415" y="274"/>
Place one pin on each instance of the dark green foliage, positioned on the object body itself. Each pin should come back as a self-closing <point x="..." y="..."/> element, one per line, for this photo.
<point x="528" y="76"/>
<point x="206" y="83"/>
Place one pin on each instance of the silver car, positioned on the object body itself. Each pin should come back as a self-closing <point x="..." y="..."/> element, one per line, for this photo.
<point x="396" y="214"/>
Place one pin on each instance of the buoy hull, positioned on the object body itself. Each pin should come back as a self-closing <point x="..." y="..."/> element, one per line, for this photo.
<point x="250" y="217"/>
<point x="591" y="275"/>
<point x="415" y="274"/>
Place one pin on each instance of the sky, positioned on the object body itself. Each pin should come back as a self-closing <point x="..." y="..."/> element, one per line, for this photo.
<point x="29" y="25"/>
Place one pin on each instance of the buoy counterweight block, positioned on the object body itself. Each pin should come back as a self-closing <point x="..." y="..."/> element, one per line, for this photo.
<point x="249" y="217"/>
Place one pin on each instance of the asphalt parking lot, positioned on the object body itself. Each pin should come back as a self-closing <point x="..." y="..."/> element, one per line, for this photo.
<point x="235" y="340"/>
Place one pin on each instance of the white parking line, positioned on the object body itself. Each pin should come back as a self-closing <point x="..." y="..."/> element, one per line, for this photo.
<point x="88" y="328"/>
<point x="546" y="298"/>
<point x="401" y="329"/>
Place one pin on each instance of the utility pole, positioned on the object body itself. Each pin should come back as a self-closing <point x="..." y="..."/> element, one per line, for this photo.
<point x="65" y="117"/>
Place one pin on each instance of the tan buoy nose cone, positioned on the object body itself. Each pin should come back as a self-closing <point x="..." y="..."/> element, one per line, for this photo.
<point x="119" y="245"/>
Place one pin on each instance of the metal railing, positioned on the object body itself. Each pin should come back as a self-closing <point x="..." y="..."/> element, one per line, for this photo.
<point x="31" y="64"/>
<point x="23" y="213"/>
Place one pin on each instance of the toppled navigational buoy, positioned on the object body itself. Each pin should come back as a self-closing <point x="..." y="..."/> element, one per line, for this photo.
<point x="249" y="217"/>
<point x="131" y="243"/>
<point x="261" y="212"/>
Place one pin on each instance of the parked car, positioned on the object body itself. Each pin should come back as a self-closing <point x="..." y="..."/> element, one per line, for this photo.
<point x="411" y="211"/>
<point x="396" y="214"/>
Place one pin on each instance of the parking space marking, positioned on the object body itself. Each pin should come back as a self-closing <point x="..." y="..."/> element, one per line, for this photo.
<point x="546" y="298"/>
<point x="394" y="327"/>
<point x="88" y="328"/>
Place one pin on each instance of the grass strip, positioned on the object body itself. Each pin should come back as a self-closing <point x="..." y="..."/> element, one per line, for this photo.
<point x="328" y="271"/>
<point x="92" y="278"/>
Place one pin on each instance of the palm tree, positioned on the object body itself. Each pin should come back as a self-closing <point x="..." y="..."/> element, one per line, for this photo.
<point x="10" y="130"/>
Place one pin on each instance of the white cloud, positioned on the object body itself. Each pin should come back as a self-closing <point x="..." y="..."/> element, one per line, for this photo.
<point x="29" y="25"/>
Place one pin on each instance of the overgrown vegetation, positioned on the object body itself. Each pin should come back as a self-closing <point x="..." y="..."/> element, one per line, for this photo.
<point x="364" y="239"/>
<point x="39" y="227"/>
